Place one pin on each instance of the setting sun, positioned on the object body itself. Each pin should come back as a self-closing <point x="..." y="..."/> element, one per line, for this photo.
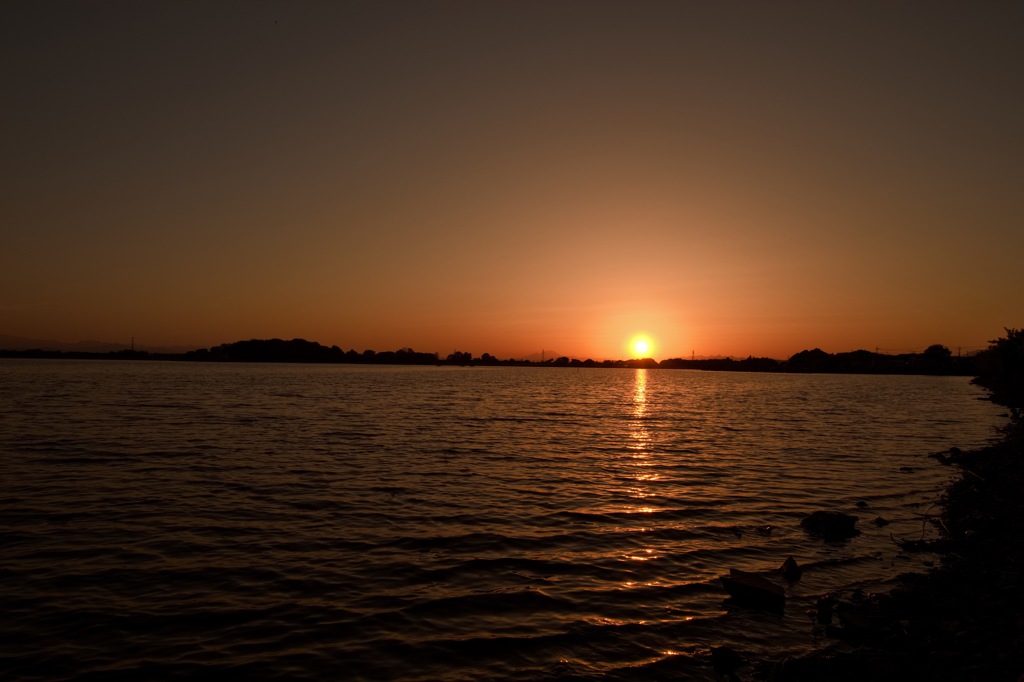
<point x="640" y="346"/>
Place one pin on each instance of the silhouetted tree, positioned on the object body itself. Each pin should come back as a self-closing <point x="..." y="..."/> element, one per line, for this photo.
<point x="937" y="351"/>
<point x="861" y="362"/>
<point x="274" y="350"/>
<point x="815" y="360"/>
<point x="936" y="359"/>
<point x="1001" y="371"/>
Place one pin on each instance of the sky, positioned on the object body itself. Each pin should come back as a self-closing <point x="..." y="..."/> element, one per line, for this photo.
<point x="728" y="178"/>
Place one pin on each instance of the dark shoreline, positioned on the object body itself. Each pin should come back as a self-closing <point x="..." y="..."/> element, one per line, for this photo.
<point x="936" y="361"/>
<point x="962" y="621"/>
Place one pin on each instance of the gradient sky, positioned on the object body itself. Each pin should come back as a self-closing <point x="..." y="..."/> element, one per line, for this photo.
<point x="730" y="178"/>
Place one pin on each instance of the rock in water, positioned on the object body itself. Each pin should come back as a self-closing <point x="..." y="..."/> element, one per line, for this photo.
<point x="725" y="661"/>
<point x="831" y="526"/>
<point x="790" y="569"/>
<point x="750" y="589"/>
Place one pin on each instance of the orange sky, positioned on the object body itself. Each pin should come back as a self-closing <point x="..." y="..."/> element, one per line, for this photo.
<point x="728" y="178"/>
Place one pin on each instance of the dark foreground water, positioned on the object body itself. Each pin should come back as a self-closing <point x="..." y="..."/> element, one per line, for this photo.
<point x="405" y="523"/>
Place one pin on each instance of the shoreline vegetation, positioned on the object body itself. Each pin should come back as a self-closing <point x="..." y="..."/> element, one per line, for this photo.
<point x="935" y="360"/>
<point x="964" y="620"/>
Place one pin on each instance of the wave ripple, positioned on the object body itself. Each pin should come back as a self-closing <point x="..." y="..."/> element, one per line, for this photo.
<point x="169" y="520"/>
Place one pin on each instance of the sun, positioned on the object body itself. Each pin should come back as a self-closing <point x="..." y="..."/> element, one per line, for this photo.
<point x="641" y="346"/>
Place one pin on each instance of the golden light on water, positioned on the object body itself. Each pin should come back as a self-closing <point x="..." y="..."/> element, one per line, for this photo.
<point x="639" y="435"/>
<point x="645" y="554"/>
<point x="639" y="394"/>
<point x="641" y="443"/>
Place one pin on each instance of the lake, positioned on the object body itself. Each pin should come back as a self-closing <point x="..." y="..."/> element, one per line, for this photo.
<point x="164" y="520"/>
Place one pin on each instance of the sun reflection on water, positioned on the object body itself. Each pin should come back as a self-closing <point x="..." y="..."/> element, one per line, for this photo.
<point x="640" y="436"/>
<point x="640" y="394"/>
<point x="640" y="462"/>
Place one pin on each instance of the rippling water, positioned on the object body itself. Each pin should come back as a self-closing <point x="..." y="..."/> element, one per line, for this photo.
<point x="171" y="520"/>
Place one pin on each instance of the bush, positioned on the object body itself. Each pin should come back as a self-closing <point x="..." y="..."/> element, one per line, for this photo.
<point x="1001" y="371"/>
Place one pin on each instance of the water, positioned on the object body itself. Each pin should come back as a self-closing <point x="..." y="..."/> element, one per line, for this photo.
<point x="165" y="520"/>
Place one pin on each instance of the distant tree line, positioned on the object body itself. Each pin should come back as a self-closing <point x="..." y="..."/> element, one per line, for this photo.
<point x="300" y="350"/>
<point x="936" y="359"/>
